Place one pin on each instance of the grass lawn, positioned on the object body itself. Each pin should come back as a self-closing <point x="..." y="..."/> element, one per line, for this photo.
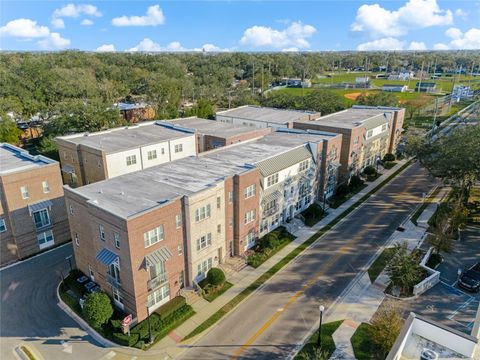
<point x="363" y="347"/>
<point x="211" y="292"/>
<point x="379" y="264"/>
<point x="269" y="245"/>
<point x="313" y="214"/>
<point x="309" y="350"/>
<point x="335" y="201"/>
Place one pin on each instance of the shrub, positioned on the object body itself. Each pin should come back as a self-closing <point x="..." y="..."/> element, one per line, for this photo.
<point x="215" y="276"/>
<point x="124" y="339"/>
<point x="140" y="345"/>
<point x="270" y="241"/>
<point x="116" y="323"/>
<point x="342" y="190"/>
<point x="174" y="304"/>
<point x="386" y="325"/>
<point x="370" y="171"/>
<point x="355" y="182"/>
<point x="97" y="309"/>
<point x="389" y="157"/>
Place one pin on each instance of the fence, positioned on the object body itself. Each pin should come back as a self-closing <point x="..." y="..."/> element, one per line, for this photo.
<point x="431" y="280"/>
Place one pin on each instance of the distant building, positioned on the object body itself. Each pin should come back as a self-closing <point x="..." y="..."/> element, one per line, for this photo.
<point x="32" y="208"/>
<point x="262" y="117"/>
<point x="395" y="88"/>
<point x="362" y="80"/>
<point x="462" y="92"/>
<point x="133" y="113"/>
<point x="404" y="76"/>
<point x="425" y="86"/>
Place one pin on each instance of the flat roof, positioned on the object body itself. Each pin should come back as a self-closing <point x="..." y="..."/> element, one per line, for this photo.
<point x="141" y="191"/>
<point x="129" y="137"/>
<point x="356" y="116"/>
<point x="14" y="159"/>
<point x="211" y="127"/>
<point x="266" y="114"/>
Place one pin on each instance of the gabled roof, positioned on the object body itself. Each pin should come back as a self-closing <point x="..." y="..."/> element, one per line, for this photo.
<point x="283" y="161"/>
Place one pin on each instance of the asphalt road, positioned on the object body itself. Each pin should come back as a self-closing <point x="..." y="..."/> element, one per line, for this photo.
<point x="270" y="323"/>
<point x="29" y="313"/>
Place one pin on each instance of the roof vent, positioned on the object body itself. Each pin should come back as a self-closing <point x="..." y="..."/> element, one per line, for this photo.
<point x="428" y="354"/>
<point x="122" y="192"/>
<point x="100" y="191"/>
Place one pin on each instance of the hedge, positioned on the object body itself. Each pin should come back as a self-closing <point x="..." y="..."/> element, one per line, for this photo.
<point x="174" y="304"/>
<point x="124" y="339"/>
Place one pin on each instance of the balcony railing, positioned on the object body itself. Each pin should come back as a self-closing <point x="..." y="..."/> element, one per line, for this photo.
<point x="156" y="282"/>
<point x="113" y="281"/>
<point x="272" y="210"/>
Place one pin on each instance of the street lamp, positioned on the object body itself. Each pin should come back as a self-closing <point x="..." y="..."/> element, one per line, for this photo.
<point x="319" y="340"/>
<point x="150" y="337"/>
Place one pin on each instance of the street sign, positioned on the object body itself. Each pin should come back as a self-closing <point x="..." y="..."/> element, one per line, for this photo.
<point x="127" y="320"/>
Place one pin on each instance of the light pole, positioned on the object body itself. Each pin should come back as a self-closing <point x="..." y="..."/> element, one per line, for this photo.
<point x="150" y="339"/>
<point x="319" y="340"/>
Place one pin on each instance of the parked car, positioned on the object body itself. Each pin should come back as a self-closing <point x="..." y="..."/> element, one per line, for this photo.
<point x="470" y="279"/>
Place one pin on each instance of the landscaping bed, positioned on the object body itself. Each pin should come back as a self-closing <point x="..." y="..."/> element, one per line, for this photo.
<point x="210" y="292"/>
<point x="313" y="214"/>
<point x="379" y="264"/>
<point x="363" y="346"/>
<point x="389" y="164"/>
<point x="434" y="260"/>
<point x="310" y="351"/>
<point x="268" y="246"/>
<point x="337" y="200"/>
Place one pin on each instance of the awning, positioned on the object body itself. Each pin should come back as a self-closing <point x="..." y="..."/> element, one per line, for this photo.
<point x="106" y="256"/>
<point x="273" y="196"/>
<point x="45" y="204"/>
<point x="68" y="169"/>
<point x="158" y="256"/>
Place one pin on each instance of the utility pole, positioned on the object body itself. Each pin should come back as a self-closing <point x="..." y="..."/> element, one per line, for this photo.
<point x="261" y="85"/>
<point x="421" y="77"/>
<point x="253" y="80"/>
<point x="229" y="98"/>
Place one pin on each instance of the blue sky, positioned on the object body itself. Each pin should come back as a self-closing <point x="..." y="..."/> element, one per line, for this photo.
<point x="239" y="25"/>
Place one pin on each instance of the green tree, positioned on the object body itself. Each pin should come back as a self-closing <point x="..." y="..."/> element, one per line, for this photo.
<point x="385" y="328"/>
<point x="97" y="309"/>
<point x="380" y="98"/>
<point x="441" y="239"/>
<point x="215" y="276"/>
<point x="403" y="269"/>
<point x="8" y="130"/>
<point x="203" y="109"/>
<point x="49" y="148"/>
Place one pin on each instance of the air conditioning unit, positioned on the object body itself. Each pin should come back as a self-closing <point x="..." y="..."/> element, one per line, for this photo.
<point x="428" y="354"/>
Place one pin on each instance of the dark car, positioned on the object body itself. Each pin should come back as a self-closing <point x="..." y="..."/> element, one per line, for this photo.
<point x="470" y="279"/>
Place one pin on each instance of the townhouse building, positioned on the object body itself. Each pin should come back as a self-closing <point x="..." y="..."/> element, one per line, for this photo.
<point x="86" y="158"/>
<point x="368" y="133"/>
<point x="144" y="235"/>
<point x="32" y="206"/>
<point x="263" y="117"/>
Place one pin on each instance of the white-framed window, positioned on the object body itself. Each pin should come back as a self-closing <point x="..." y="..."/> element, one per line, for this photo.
<point x="178" y="148"/>
<point x="45" y="239"/>
<point x="77" y="239"/>
<point x="219" y="228"/>
<point x="303" y="189"/>
<point x="202" y="213"/>
<point x="250" y="216"/>
<point x="304" y="165"/>
<point x="101" y="232"/>
<point x="272" y="179"/>
<point x="162" y="150"/>
<point x="250" y="239"/>
<point x="369" y="133"/>
<point x="153" y="236"/>
<point x="117" y="297"/>
<point x="204" y="241"/>
<point x="131" y="160"/>
<point x="157" y="271"/>
<point x="333" y="152"/>
<point x="41" y="218"/>
<point x="307" y="199"/>
<point x="152" y="154"/>
<point x="298" y="205"/>
<point x="24" y="191"/>
<point x="219" y="202"/>
<point x="159" y="295"/>
<point x="275" y="219"/>
<point x="230" y="197"/>
<point x="270" y="205"/>
<point x="3" y="226"/>
<point x="70" y="209"/>
<point x="249" y="191"/>
<point x="178" y="221"/>
<point x="264" y="225"/>
<point x="116" y="240"/>
<point x="180" y="249"/>
<point x="204" y="266"/>
<point x="45" y="187"/>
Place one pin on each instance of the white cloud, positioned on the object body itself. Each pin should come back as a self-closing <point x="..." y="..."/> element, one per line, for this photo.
<point x="58" y="23"/>
<point x="74" y="10"/>
<point x="24" y="29"/>
<point x="54" y="41"/>
<point x="290" y="49"/>
<point x="146" y="45"/>
<point x="440" y="46"/>
<point x="382" y="44"/>
<point x="462" y="14"/>
<point x="415" y="14"/>
<point x="454" y="33"/>
<point x="149" y="45"/>
<point x="86" y="22"/>
<point x="106" y="48"/>
<point x="294" y="35"/>
<point x="153" y="17"/>
<point x="468" y="40"/>
<point x="210" y="48"/>
<point x="417" y="45"/>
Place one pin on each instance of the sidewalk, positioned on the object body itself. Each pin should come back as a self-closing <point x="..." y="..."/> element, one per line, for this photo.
<point x="170" y="344"/>
<point x="362" y="300"/>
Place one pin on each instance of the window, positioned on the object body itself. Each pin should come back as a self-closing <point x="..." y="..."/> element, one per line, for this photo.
<point x="178" y="221"/>
<point x="249" y="191"/>
<point x="275" y="220"/>
<point x="270" y="206"/>
<point x="250" y="239"/>
<point x="41" y="218"/>
<point x="303" y="165"/>
<point x="230" y="197"/>
<point x="116" y="295"/>
<point x="77" y="240"/>
<point x="219" y="202"/>
<point x="303" y="189"/>
<point x="90" y="271"/>
<point x="178" y="148"/>
<point x="152" y="154"/>
<point x="333" y="153"/>
<point x="355" y="142"/>
<point x="307" y="199"/>
<point x="116" y="240"/>
<point x="45" y="239"/>
<point x="272" y="180"/>
<point x="204" y="241"/>
<point x="202" y="213"/>
<point x="264" y="225"/>
<point x="99" y="164"/>
<point x="153" y="236"/>
<point x="65" y="155"/>
<point x="249" y="216"/>
<point x="24" y="191"/>
<point x="45" y="187"/>
<point x="70" y="208"/>
<point x="162" y="151"/>
<point x="369" y="133"/>
<point x="180" y="249"/>
<point x="3" y="226"/>
<point x="157" y="271"/>
<point x="101" y="232"/>
<point x="204" y="266"/>
<point x="114" y="272"/>
<point x="384" y="127"/>
<point x="131" y="160"/>
<point x="298" y="205"/>
<point x="219" y="228"/>
<point x="158" y="295"/>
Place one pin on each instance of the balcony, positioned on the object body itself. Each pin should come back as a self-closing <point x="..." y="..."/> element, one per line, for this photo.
<point x="272" y="210"/>
<point x="114" y="281"/>
<point x="156" y="282"/>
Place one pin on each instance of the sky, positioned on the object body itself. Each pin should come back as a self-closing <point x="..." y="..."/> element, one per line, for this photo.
<point x="239" y="25"/>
